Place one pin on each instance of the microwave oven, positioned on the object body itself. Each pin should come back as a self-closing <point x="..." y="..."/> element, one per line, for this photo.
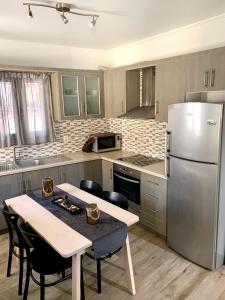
<point x="107" y="142"/>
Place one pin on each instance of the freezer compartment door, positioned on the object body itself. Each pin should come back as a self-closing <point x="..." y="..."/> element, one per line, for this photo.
<point x="192" y="210"/>
<point x="194" y="131"/>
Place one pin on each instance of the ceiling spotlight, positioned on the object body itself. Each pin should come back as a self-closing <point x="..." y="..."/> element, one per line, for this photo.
<point x="64" y="18"/>
<point x="93" y="22"/>
<point x="30" y="14"/>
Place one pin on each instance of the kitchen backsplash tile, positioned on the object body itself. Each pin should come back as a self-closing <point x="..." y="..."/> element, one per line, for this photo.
<point x="146" y="137"/>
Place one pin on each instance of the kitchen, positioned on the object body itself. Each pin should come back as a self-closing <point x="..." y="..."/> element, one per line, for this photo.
<point x="123" y="104"/>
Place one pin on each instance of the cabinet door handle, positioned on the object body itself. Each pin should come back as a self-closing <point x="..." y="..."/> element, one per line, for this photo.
<point x="22" y="190"/>
<point x="26" y="186"/>
<point x="206" y="79"/>
<point x="110" y="171"/>
<point x="157" y="107"/>
<point x="168" y="140"/>
<point x="168" y="166"/>
<point x="212" y="77"/>
<point x="122" y="105"/>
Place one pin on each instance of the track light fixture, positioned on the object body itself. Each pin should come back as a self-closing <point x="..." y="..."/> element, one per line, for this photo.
<point x="30" y="14"/>
<point x="93" y="22"/>
<point x="62" y="8"/>
<point x="64" y="18"/>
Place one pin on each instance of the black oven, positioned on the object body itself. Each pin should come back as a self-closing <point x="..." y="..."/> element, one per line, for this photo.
<point x="127" y="182"/>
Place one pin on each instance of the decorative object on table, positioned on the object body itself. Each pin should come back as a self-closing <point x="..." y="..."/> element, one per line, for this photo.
<point x="93" y="213"/>
<point x="47" y="187"/>
<point x="67" y="205"/>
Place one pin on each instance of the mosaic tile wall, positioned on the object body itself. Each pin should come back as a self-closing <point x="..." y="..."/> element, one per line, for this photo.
<point x="141" y="136"/>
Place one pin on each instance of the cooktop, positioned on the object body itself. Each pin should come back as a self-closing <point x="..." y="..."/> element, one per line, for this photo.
<point x="140" y="160"/>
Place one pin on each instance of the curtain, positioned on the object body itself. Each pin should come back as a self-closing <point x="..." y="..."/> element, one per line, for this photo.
<point x="25" y="109"/>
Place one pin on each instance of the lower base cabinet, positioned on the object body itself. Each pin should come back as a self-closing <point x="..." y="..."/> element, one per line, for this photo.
<point x="153" y="203"/>
<point x="107" y="175"/>
<point x="32" y="180"/>
<point x="89" y="170"/>
<point x="10" y="186"/>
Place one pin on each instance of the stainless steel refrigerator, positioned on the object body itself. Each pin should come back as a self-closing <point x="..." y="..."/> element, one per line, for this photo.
<point x="196" y="182"/>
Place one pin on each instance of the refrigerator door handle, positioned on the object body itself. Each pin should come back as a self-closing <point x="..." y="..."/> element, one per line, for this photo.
<point x="168" y="141"/>
<point x="168" y="166"/>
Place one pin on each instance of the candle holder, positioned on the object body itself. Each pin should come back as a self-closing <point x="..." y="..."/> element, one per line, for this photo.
<point x="47" y="187"/>
<point x="93" y="213"/>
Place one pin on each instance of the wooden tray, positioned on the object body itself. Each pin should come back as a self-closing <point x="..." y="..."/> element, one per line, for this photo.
<point x="65" y="204"/>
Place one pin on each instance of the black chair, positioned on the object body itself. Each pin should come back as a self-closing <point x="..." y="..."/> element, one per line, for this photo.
<point x="116" y="199"/>
<point x="91" y="187"/>
<point x="43" y="259"/>
<point x="15" y="241"/>
<point x="122" y="202"/>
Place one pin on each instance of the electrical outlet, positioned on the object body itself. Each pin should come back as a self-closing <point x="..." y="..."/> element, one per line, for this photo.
<point x="65" y="139"/>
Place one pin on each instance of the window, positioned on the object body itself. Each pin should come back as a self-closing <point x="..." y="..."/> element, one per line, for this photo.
<point x="25" y="109"/>
<point x="7" y="108"/>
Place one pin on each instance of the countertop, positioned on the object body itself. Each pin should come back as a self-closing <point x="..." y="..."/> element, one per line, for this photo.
<point x="157" y="169"/>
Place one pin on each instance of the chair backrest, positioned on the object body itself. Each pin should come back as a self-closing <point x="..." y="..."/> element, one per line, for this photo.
<point x="36" y="242"/>
<point x="91" y="187"/>
<point x="11" y="219"/>
<point x="116" y="199"/>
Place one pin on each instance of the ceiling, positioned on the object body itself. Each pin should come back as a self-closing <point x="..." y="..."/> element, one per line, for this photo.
<point x="129" y="21"/>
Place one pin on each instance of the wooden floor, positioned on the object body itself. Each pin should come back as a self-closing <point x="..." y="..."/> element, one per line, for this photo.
<point x="160" y="274"/>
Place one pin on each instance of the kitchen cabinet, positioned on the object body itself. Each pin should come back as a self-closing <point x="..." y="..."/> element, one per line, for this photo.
<point x="153" y="203"/>
<point x="71" y="174"/>
<point x="205" y="71"/>
<point x="107" y="175"/>
<point x="115" y="92"/>
<point x="74" y="173"/>
<point x="217" y="71"/>
<point x="170" y="85"/>
<point x="32" y="180"/>
<point x="197" y="71"/>
<point x="10" y="186"/>
<point x="77" y="95"/>
<point x="93" y="170"/>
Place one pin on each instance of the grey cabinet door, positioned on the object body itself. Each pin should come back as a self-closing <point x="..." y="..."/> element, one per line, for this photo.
<point x="10" y="186"/>
<point x="93" y="170"/>
<point x="217" y="71"/>
<point x="170" y="85"/>
<point x="107" y="175"/>
<point x="198" y="67"/>
<point x="115" y="92"/>
<point x="72" y="174"/>
<point x="32" y="180"/>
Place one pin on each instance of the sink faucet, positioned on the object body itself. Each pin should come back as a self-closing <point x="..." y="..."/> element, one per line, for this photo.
<point x="14" y="152"/>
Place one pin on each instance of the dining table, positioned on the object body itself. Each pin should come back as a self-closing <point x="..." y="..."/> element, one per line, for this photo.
<point x="67" y="241"/>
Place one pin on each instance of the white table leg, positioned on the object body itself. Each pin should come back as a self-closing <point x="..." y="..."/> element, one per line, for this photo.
<point x="76" y="276"/>
<point x="129" y="266"/>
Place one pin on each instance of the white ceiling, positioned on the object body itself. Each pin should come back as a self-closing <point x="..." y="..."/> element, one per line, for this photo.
<point x="130" y="21"/>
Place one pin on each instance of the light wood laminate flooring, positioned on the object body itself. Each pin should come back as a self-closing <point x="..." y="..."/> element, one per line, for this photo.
<point x="160" y="274"/>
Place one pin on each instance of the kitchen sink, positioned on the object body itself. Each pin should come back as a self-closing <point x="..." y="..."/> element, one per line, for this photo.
<point x="26" y="163"/>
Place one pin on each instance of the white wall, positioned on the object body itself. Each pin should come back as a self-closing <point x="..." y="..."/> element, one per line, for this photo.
<point x="203" y="35"/>
<point x="45" y="55"/>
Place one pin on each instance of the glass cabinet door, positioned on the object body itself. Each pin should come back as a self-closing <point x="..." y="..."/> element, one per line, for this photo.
<point x="70" y="93"/>
<point x="92" y="95"/>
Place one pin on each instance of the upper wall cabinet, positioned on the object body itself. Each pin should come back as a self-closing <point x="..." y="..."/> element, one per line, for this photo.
<point x="170" y="85"/>
<point x="115" y="92"/>
<point x="205" y="71"/>
<point x="77" y="95"/>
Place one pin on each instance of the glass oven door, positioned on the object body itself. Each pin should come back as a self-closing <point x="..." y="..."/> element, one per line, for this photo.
<point x="129" y="187"/>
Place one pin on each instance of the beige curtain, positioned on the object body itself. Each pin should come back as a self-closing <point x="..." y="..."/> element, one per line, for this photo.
<point x="25" y="109"/>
